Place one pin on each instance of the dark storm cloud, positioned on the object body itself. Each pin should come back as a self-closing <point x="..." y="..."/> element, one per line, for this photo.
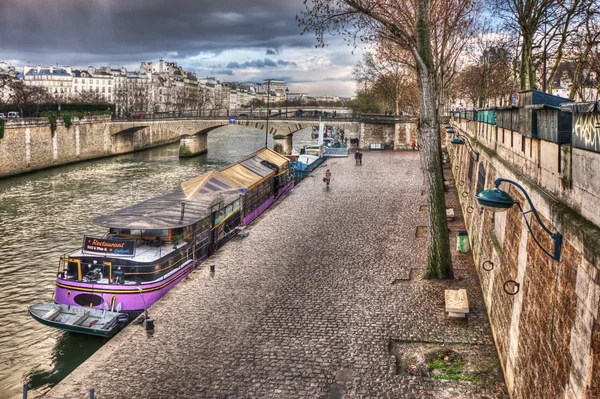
<point x="271" y="51"/>
<point x="118" y="32"/>
<point x="284" y="62"/>
<point x="224" y="72"/>
<point x="265" y="63"/>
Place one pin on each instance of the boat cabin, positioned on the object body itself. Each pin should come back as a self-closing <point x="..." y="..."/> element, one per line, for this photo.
<point x="154" y="239"/>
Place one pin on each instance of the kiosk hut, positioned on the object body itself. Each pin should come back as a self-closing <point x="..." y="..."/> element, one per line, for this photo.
<point x="586" y="125"/>
<point x="541" y="117"/>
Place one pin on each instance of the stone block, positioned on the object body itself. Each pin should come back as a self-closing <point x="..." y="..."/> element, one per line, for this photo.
<point x="449" y="214"/>
<point x="457" y="303"/>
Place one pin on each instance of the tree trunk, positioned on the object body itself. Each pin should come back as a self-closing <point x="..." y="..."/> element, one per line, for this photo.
<point x="439" y="260"/>
<point x="527" y="73"/>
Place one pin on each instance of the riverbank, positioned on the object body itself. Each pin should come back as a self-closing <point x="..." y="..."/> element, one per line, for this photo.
<point x="322" y="299"/>
<point x="46" y="213"/>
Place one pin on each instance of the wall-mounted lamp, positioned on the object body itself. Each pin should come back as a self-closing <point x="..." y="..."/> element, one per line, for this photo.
<point x="460" y="139"/>
<point x="450" y="131"/>
<point x="497" y="200"/>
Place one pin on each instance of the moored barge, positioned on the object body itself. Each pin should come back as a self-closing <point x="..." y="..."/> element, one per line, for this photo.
<point x="150" y="247"/>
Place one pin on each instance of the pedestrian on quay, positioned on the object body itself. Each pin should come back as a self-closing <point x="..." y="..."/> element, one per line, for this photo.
<point x="414" y="145"/>
<point x="360" y="154"/>
<point x="357" y="157"/>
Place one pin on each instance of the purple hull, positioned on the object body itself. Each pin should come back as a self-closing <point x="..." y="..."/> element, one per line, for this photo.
<point x="78" y="293"/>
<point x="256" y="213"/>
<point x="284" y="190"/>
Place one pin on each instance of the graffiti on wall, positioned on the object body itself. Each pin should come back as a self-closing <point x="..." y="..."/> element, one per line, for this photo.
<point x="586" y="131"/>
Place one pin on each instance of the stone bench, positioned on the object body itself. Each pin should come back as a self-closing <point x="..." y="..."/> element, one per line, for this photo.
<point x="457" y="303"/>
<point x="449" y="214"/>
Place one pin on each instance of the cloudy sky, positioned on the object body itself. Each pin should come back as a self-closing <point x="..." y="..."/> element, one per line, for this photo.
<point x="234" y="40"/>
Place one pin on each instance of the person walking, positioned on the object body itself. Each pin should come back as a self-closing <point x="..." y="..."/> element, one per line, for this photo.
<point x="327" y="178"/>
<point x="356" y="156"/>
<point x="414" y="145"/>
<point x="360" y="154"/>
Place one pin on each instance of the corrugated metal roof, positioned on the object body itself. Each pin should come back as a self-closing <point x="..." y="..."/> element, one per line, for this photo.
<point x="255" y="164"/>
<point x="242" y="175"/>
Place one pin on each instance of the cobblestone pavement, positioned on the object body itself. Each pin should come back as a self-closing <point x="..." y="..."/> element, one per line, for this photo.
<point x="306" y="306"/>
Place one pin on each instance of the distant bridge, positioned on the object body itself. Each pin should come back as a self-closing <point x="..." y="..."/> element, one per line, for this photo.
<point x="30" y="144"/>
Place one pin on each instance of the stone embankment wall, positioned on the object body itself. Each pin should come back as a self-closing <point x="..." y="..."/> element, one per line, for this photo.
<point x="29" y="144"/>
<point x="396" y="135"/>
<point x="548" y="334"/>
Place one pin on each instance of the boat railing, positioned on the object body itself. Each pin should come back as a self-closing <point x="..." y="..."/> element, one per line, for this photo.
<point x="176" y="263"/>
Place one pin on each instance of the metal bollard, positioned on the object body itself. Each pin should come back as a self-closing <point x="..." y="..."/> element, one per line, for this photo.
<point x="91" y="393"/>
<point x="212" y="268"/>
<point x="149" y="325"/>
<point x="25" y="389"/>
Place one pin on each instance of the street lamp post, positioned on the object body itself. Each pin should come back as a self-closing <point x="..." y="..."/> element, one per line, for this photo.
<point x="268" y="112"/>
<point x="287" y="91"/>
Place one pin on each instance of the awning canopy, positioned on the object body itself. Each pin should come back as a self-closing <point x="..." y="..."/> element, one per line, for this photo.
<point x="188" y="204"/>
<point x="543" y="106"/>
<point x="273" y="157"/>
<point x="242" y="175"/>
<point x="163" y="212"/>
<point x="581" y="108"/>
<point x="211" y="183"/>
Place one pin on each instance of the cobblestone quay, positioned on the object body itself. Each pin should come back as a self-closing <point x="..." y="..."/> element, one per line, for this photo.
<point x="313" y="303"/>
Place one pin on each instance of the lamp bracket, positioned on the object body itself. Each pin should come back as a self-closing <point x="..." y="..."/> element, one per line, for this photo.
<point x="557" y="237"/>
<point x="473" y="153"/>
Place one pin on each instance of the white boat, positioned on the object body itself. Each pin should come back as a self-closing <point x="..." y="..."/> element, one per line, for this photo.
<point x="103" y="323"/>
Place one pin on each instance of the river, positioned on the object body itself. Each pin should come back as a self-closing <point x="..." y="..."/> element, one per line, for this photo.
<point x="45" y="214"/>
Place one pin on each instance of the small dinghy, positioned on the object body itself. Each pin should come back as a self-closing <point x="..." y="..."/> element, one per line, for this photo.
<point x="102" y="323"/>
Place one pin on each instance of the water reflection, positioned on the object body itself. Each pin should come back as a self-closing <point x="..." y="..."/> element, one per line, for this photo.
<point x="46" y="214"/>
<point x="70" y="350"/>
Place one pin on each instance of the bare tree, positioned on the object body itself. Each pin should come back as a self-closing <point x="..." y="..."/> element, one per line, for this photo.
<point x="585" y="42"/>
<point x="205" y="99"/>
<point x="411" y="25"/>
<point x="392" y="82"/>
<point x="178" y="97"/>
<point x="22" y="94"/>
<point x="88" y="97"/>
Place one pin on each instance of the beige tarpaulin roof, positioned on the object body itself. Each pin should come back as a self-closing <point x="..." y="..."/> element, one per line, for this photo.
<point x="210" y="183"/>
<point x="242" y="175"/>
<point x="273" y="157"/>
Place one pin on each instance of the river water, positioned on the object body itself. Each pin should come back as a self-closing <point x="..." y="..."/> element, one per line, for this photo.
<point x="45" y="214"/>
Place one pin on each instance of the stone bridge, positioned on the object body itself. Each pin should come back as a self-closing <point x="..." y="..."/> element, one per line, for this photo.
<point x="393" y="132"/>
<point x="30" y="144"/>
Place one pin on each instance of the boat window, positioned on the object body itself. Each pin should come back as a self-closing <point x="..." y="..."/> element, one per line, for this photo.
<point x="229" y="209"/>
<point x="236" y="204"/>
<point x="71" y="268"/>
<point x="155" y="233"/>
<point x="125" y="231"/>
<point x="219" y="215"/>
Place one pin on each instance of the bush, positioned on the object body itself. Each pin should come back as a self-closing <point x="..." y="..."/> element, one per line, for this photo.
<point x="52" y="120"/>
<point x="33" y="110"/>
<point x="67" y="120"/>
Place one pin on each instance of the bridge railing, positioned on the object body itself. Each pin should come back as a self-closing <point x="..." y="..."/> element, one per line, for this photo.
<point x="274" y="118"/>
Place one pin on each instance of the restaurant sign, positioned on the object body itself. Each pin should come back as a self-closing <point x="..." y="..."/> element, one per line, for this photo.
<point x="109" y="246"/>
